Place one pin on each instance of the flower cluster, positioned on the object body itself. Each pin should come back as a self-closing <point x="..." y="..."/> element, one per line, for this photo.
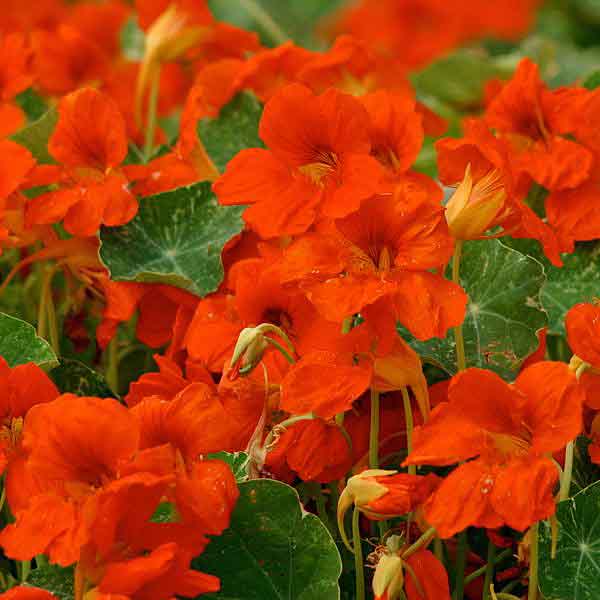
<point x="332" y="349"/>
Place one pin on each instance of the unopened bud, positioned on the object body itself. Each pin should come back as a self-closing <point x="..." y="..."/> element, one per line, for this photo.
<point x="388" y="580"/>
<point x="473" y="207"/>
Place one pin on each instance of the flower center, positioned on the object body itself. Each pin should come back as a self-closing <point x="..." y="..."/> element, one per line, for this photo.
<point x="324" y="164"/>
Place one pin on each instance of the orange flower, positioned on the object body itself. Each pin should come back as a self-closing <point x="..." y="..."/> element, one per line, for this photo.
<point x="160" y="306"/>
<point x="536" y="122"/>
<point x="508" y="431"/>
<point x="90" y="143"/>
<point x="384" y="250"/>
<point x="74" y="446"/>
<point x="314" y="449"/>
<point x="21" y="388"/>
<point x="318" y="162"/>
<point x="66" y="59"/>
<point x="159" y="575"/>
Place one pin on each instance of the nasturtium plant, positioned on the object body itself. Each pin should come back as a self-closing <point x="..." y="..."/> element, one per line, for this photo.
<point x="299" y="300"/>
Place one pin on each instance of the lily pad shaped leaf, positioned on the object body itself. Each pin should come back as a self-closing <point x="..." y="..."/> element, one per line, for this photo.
<point x="19" y="344"/>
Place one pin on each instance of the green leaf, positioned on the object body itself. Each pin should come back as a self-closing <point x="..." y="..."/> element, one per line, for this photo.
<point x="133" y="40"/>
<point x="77" y="378"/>
<point x="458" y="79"/>
<point x="273" y="549"/>
<point x="35" y="136"/>
<point x="592" y="81"/>
<point x="574" y="574"/>
<point x="57" y="580"/>
<point x="33" y="105"/>
<point x="235" y="129"/>
<point x="503" y="314"/>
<point x="578" y="280"/>
<point x="19" y="344"/>
<point x="585" y="472"/>
<point x="296" y="19"/>
<point x="176" y="238"/>
<point x="239" y="463"/>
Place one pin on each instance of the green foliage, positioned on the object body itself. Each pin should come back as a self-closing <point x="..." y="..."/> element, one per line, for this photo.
<point x="503" y="314"/>
<point x="77" y="378"/>
<point x="273" y="549"/>
<point x="297" y="20"/>
<point x="574" y="574"/>
<point x="36" y="135"/>
<point x="176" y="238"/>
<point x="19" y="344"/>
<point x="235" y="129"/>
<point x="239" y="463"/>
<point x="133" y="40"/>
<point x="33" y="105"/>
<point x="57" y="580"/>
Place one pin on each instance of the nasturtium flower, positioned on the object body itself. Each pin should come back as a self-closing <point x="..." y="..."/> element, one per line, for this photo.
<point x="317" y="163"/>
<point x="503" y="436"/>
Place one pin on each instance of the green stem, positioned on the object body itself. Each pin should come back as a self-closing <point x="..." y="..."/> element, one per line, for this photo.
<point x="358" y="555"/>
<point x="408" y="417"/>
<point x="422" y="541"/>
<point x="284" y="424"/>
<point x="281" y="349"/>
<point x="374" y="431"/>
<point x="112" y="367"/>
<point x="565" y="480"/>
<point x="438" y="549"/>
<point x="532" y="593"/>
<point x="152" y="114"/>
<point x="461" y="563"/>
<point x="482" y="570"/>
<point x="489" y="570"/>
<point x="264" y="19"/>
<point x="461" y="361"/>
<point x="25" y="569"/>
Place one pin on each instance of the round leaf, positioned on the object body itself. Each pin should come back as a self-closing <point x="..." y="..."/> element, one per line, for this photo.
<point x="273" y="549"/>
<point x="574" y="574"/>
<point x="503" y="314"/>
<point x="176" y="238"/>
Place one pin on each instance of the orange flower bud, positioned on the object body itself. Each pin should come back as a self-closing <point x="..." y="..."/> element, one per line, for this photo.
<point x="473" y="207"/>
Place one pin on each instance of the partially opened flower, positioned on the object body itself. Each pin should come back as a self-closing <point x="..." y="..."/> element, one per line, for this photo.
<point x="22" y="592"/>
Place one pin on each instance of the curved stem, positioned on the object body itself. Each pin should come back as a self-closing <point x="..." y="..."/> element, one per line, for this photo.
<point x="284" y="424"/>
<point x="461" y="361"/>
<point x="565" y="481"/>
<point x="422" y="541"/>
<point x="358" y="555"/>
<point x="152" y="114"/>
<point x="408" y="416"/>
<point x="264" y="19"/>
<point x="112" y="368"/>
<point x="374" y="431"/>
<point x="532" y="592"/>
<point x="281" y="349"/>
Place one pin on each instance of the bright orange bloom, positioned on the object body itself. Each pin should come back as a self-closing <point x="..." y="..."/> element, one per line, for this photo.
<point x="165" y="384"/>
<point x="384" y="250"/>
<point x="157" y="576"/>
<point x="90" y="143"/>
<point x="316" y="450"/>
<point x="74" y="446"/>
<point x="508" y="431"/>
<point x="21" y="388"/>
<point x="66" y="59"/>
<point x="259" y="298"/>
<point x="160" y="306"/>
<point x="318" y="163"/>
<point x="537" y="123"/>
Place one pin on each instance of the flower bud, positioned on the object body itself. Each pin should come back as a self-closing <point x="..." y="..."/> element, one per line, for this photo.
<point x="473" y="207"/>
<point x="388" y="580"/>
